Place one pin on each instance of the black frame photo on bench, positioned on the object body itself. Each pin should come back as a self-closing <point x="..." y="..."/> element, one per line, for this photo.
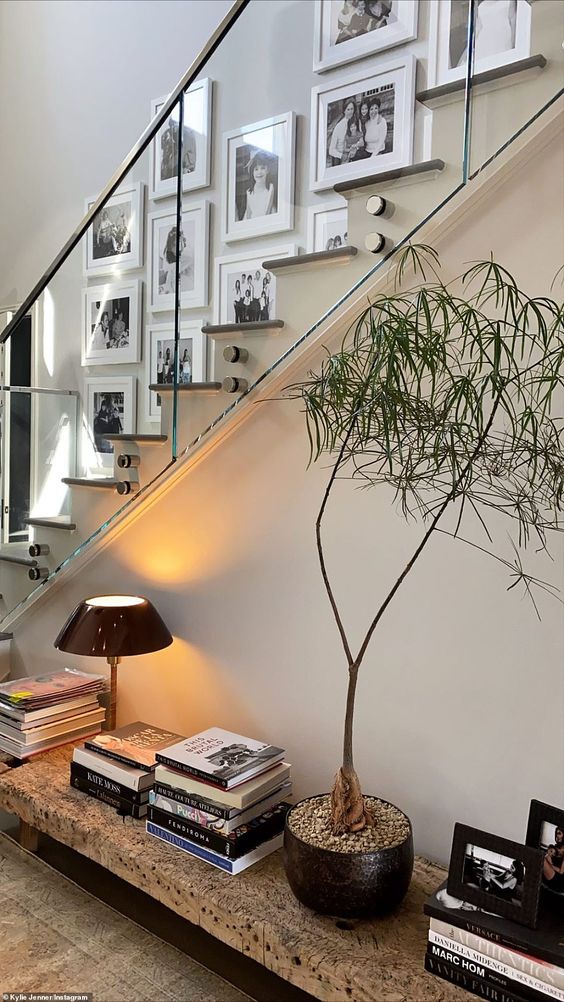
<point x="495" y="874"/>
<point x="545" y="831"/>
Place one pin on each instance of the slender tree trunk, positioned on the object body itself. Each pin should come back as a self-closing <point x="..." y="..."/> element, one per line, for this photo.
<point x="348" y="810"/>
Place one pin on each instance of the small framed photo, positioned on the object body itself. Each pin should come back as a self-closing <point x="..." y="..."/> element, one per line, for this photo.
<point x="346" y="30"/>
<point x="196" y="144"/>
<point x="258" y="178"/>
<point x="545" y="831"/>
<point x="502" y="35"/>
<point x="111" y="323"/>
<point x="194" y="241"/>
<point x="160" y="360"/>
<point x="109" y="405"/>
<point x="363" y="124"/>
<point x="327" y="226"/>
<point x="245" y="291"/>
<point x="496" y="874"/>
<point x="114" y="241"/>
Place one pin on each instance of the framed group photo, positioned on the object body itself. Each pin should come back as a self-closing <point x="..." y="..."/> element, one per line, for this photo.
<point x="327" y="226"/>
<point x="114" y="240"/>
<point x="109" y="404"/>
<point x="363" y="124"/>
<point x="346" y="30"/>
<point x="258" y="178"/>
<point x="111" y="323"/>
<point x="160" y="360"/>
<point x="502" y="35"/>
<point x="196" y="143"/>
<point x="245" y="292"/>
<point x="193" y="254"/>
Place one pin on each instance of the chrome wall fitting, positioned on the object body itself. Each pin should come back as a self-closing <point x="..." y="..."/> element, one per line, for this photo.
<point x="233" y="385"/>
<point x="39" y="549"/>
<point x="127" y="462"/>
<point x="38" y="573"/>
<point x="377" y="205"/>
<point x="375" y="243"/>
<point x="127" y="487"/>
<point x="232" y="353"/>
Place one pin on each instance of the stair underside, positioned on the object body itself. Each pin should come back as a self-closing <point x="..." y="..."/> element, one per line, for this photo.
<point x="54" y="522"/>
<point x="97" y="482"/>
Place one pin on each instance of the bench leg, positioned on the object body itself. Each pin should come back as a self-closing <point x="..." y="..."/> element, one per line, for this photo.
<point x="28" y="837"/>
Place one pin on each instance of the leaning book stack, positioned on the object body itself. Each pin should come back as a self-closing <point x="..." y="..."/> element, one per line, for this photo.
<point x="41" y="712"/>
<point x="221" y="797"/>
<point x="118" y="767"/>
<point x="491" y="956"/>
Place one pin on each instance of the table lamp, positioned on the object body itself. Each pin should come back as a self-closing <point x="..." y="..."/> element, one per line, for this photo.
<point x="113" y="627"/>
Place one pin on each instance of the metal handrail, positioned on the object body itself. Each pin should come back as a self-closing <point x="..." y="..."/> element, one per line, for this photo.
<point x="38" y="389"/>
<point x="132" y="157"/>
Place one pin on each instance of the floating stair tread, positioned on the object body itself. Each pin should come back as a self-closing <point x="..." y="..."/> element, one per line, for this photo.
<point x="186" y="387"/>
<point x="6" y="636"/>
<point x="7" y="558"/>
<point x="99" y="482"/>
<point x="142" y="439"/>
<point x="488" y="76"/>
<point x="252" y="327"/>
<point x="53" y="522"/>
<point x="341" y="254"/>
<point x="386" y="176"/>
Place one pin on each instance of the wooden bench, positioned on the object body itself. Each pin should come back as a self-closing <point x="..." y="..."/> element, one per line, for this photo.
<point x="255" y="912"/>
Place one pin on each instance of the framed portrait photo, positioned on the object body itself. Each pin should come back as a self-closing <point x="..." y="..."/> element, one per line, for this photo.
<point x="245" y="291"/>
<point x="114" y="241"/>
<point x="109" y="408"/>
<point x="258" y="178"/>
<point x="346" y="30"/>
<point x="363" y="124"/>
<point x="111" y="319"/>
<point x="196" y="143"/>
<point x="160" y="360"/>
<point x="327" y="226"/>
<point x="193" y="249"/>
<point x="545" y="831"/>
<point x="495" y="874"/>
<point x="502" y="35"/>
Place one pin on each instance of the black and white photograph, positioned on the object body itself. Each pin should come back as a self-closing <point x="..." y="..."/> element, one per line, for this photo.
<point x="232" y="759"/>
<point x="244" y="290"/>
<point x="496" y="874"/>
<point x="346" y="30"/>
<point x="110" y="407"/>
<point x="363" y="126"/>
<point x="258" y="178"/>
<point x="502" y="34"/>
<point x="108" y="419"/>
<point x="545" y="830"/>
<point x="327" y="227"/>
<point x="160" y="367"/>
<point x="114" y="241"/>
<point x="196" y="139"/>
<point x="191" y="244"/>
<point x="111" y="315"/>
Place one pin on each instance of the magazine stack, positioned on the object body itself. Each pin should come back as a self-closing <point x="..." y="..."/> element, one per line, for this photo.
<point x="118" y="767"/>
<point x="221" y="797"/>
<point x="43" y="711"/>
<point x="494" y="957"/>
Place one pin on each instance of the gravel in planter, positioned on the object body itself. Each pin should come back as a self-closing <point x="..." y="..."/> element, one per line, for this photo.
<point x="311" y="822"/>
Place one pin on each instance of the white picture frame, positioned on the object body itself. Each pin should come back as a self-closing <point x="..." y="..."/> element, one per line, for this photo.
<point x="121" y="391"/>
<point x="392" y="85"/>
<point x="111" y="323"/>
<point x="114" y="240"/>
<point x="256" y="205"/>
<point x="196" y="148"/>
<point x="447" y="39"/>
<point x="325" y="222"/>
<point x="334" y="22"/>
<point x="161" y="337"/>
<point x="230" y="269"/>
<point x="194" y="257"/>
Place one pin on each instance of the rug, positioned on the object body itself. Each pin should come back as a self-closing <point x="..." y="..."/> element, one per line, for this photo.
<point x="55" y="937"/>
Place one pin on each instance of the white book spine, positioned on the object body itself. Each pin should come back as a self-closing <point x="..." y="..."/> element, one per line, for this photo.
<point x="135" y="779"/>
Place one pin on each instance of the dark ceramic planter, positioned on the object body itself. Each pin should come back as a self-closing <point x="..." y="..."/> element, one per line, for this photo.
<point x="347" y="884"/>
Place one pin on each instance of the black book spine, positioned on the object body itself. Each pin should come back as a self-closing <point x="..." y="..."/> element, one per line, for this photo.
<point x="471" y="983"/>
<point x="192" y="800"/>
<point x="231" y="846"/>
<point x="92" y="746"/>
<point x="109" y="785"/>
<point x="489" y="973"/>
<point x="122" y="806"/>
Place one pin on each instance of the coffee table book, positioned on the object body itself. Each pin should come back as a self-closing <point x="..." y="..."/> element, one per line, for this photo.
<point x="123" y="805"/>
<point x="232" y="866"/>
<point x="134" y="779"/>
<point x="233" y="846"/>
<point x="208" y="815"/>
<point x="221" y="757"/>
<point x="471" y="982"/>
<point x="82" y="778"/>
<point x="240" y="797"/>
<point x="135" y="744"/>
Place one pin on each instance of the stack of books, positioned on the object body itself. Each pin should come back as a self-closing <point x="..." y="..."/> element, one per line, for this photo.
<point x="492" y="956"/>
<point x="118" y="767"/>
<point x="221" y="797"/>
<point x="43" y="711"/>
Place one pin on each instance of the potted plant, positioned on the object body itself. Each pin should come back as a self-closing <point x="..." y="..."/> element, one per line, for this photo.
<point x="444" y="392"/>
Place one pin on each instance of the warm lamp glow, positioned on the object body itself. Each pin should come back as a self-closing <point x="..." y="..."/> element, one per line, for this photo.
<point x="115" y="601"/>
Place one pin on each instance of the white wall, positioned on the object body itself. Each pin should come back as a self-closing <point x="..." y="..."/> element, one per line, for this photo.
<point x="459" y="714"/>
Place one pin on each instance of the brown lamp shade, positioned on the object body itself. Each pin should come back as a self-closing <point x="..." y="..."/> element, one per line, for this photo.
<point x="114" y="626"/>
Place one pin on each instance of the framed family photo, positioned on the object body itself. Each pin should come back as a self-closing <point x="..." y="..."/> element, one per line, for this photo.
<point x="545" y="831"/>
<point x="346" y="30"/>
<point x="193" y="252"/>
<point x="114" y="241"/>
<point x="502" y="35"/>
<point x="111" y="323"/>
<point x="363" y="124"/>
<point x="196" y="143"/>
<point x="160" y="360"/>
<point x="109" y="406"/>
<point x="258" y="178"/>
<point x="327" y="226"/>
<point x="245" y="291"/>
